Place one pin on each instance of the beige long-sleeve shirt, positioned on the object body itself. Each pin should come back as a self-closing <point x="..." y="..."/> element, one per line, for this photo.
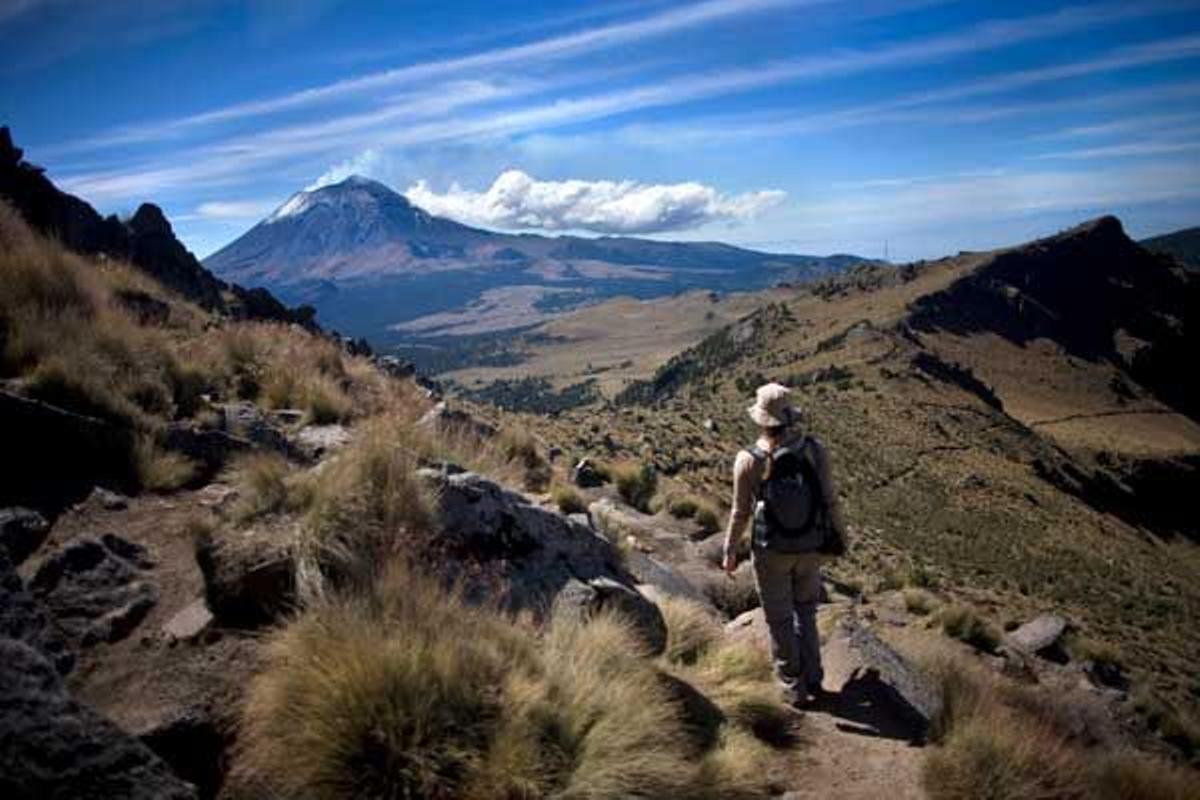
<point x="748" y="473"/>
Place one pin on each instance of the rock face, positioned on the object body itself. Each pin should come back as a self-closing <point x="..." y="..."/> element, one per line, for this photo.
<point x="146" y="241"/>
<point x="45" y="479"/>
<point x="247" y="421"/>
<point x="96" y="588"/>
<point x="526" y="554"/>
<point x="22" y="531"/>
<point x="55" y="747"/>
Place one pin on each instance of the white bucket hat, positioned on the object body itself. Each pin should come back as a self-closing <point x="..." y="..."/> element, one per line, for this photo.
<point x="772" y="407"/>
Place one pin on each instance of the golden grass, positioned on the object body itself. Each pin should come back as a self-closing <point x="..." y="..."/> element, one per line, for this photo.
<point x="635" y="482"/>
<point x="403" y="690"/>
<point x="691" y="630"/>
<point x="919" y="601"/>
<point x="568" y="499"/>
<point x="964" y="623"/>
<point x="1000" y="741"/>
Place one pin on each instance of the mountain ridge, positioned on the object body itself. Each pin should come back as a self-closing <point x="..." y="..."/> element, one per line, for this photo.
<point x="369" y="260"/>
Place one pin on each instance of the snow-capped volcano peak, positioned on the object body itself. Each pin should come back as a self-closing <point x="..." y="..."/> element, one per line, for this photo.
<point x="352" y="193"/>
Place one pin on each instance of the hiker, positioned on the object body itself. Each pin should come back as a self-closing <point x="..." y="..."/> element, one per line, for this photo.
<point x="783" y="482"/>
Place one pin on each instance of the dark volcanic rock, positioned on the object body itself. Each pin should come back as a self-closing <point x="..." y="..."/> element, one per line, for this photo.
<point x="22" y="531"/>
<point x="23" y="617"/>
<point x="209" y="449"/>
<point x="249" y="577"/>
<point x="530" y="553"/>
<point x="57" y="748"/>
<point x="193" y="744"/>
<point x="62" y="454"/>
<point x="585" y="475"/>
<point x="96" y="589"/>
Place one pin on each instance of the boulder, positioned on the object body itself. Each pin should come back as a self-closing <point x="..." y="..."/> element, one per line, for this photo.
<point x="22" y="531"/>
<point x="1040" y="636"/>
<point x="23" y="617"/>
<point x="249" y="576"/>
<point x="193" y="743"/>
<point x="314" y="442"/>
<point x="502" y="546"/>
<point x="189" y="623"/>
<point x="395" y="367"/>
<point x="55" y="747"/>
<point x="910" y="692"/>
<point x="583" y="600"/>
<point x="586" y="476"/>
<point x="96" y="588"/>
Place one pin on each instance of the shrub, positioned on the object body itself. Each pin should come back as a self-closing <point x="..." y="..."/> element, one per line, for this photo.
<point x="919" y="601"/>
<point x="636" y="483"/>
<point x="405" y="691"/>
<point x="1132" y="776"/>
<point x="707" y="519"/>
<point x="684" y="507"/>
<point x="568" y="499"/>
<point x="962" y="622"/>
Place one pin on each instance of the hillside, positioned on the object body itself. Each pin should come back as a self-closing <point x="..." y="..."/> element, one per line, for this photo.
<point x="1018" y="449"/>
<point x="1183" y="245"/>
<point x="377" y="266"/>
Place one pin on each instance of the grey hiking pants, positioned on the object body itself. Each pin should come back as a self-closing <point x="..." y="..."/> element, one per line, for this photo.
<point x="789" y="586"/>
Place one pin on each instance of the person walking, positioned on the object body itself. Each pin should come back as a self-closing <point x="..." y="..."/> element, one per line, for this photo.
<point x="783" y="483"/>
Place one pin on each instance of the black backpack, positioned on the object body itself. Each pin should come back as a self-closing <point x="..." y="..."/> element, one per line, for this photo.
<point x="789" y="514"/>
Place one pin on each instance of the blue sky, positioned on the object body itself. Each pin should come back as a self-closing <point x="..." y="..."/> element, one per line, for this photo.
<point x="811" y="126"/>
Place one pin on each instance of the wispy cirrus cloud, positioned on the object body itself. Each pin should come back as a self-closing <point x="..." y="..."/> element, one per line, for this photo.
<point x="517" y="201"/>
<point x="556" y="47"/>
<point x="376" y="129"/>
<point x="234" y="209"/>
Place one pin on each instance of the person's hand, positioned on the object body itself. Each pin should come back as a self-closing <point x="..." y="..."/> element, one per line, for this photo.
<point x="729" y="561"/>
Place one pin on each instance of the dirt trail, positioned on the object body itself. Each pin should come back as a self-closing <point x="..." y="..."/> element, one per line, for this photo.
<point x="858" y="746"/>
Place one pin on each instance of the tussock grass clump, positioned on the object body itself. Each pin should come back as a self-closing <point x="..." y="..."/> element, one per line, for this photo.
<point x="365" y="506"/>
<point x="682" y="506"/>
<point x="691" y="630"/>
<point x="636" y="483"/>
<point x="518" y="447"/>
<point x="406" y="691"/>
<point x="161" y="470"/>
<point x="919" y="601"/>
<point x="266" y="485"/>
<point x="708" y="519"/>
<point x="735" y="594"/>
<point x="999" y="740"/>
<point x="568" y="499"/>
<point x="962" y="622"/>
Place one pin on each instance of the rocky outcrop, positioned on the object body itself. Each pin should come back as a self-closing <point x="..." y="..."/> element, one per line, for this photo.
<point x="146" y="240"/>
<point x="446" y="420"/>
<point x="55" y="747"/>
<point x="44" y="476"/>
<point x="585" y="475"/>
<point x="500" y="544"/>
<point x="97" y="589"/>
<point x="314" y="442"/>
<point x="24" y="618"/>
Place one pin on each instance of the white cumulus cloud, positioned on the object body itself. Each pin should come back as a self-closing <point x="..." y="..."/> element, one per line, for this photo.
<point x="515" y="200"/>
